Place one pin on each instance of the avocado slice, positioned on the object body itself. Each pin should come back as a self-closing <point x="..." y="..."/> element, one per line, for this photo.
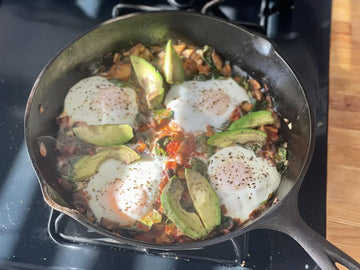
<point x="242" y="136"/>
<point x="253" y="120"/>
<point x="173" y="68"/>
<point x="205" y="200"/>
<point x="104" y="135"/>
<point x="200" y="166"/>
<point x="87" y="166"/>
<point x="187" y="223"/>
<point x="150" y="80"/>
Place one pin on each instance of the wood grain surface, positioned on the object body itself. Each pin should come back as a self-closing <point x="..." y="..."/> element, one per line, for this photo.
<point x="343" y="180"/>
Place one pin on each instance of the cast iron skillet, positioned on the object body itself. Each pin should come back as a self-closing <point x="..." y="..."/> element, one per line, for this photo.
<point x="249" y="51"/>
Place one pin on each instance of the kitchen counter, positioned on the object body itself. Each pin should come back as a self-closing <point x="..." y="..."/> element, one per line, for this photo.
<point x="343" y="182"/>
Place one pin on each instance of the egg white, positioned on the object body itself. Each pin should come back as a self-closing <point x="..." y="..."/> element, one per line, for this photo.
<point x="197" y="104"/>
<point x="241" y="180"/>
<point x="97" y="101"/>
<point x="124" y="193"/>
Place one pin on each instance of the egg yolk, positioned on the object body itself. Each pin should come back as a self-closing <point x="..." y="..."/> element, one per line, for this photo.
<point x="214" y="102"/>
<point x="111" y="99"/>
<point x="127" y="202"/>
<point x="234" y="174"/>
<point x="111" y="191"/>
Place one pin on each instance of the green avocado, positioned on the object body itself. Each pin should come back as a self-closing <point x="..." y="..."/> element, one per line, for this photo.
<point x="104" y="135"/>
<point x="187" y="223"/>
<point x="253" y="120"/>
<point x="241" y="136"/>
<point x="150" y="80"/>
<point x="173" y="68"/>
<point x="205" y="200"/>
<point x="200" y="166"/>
<point x="87" y="166"/>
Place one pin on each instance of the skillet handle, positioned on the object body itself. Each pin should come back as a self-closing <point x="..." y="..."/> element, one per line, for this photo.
<point x="288" y="220"/>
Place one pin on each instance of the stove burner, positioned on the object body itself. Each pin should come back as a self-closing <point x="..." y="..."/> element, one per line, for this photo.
<point x="66" y="231"/>
<point x="273" y="16"/>
<point x="181" y="4"/>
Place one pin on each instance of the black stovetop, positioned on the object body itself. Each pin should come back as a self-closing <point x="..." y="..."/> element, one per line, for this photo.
<point x="32" y="32"/>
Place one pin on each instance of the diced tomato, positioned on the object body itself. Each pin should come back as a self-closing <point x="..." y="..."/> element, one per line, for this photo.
<point x="186" y="151"/>
<point x="141" y="146"/>
<point x="171" y="165"/>
<point x="235" y="115"/>
<point x="163" y="183"/>
<point x="91" y="152"/>
<point x="272" y="133"/>
<point x="209" y="131"/>
<point x="142" y="227"/>
<point x="158" y="206"/>
<point x="170" y="229"/>
<point x="181" y="173"/>
<point x="172" y="148"/>
<point x="152" y="235"/>
<point x="69" y="149"/>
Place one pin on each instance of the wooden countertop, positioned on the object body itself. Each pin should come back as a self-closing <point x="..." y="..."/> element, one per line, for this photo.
<point x="343" y="180"/>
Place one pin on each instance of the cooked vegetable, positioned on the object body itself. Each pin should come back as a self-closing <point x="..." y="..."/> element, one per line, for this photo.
<point x="104" y="135"/>
<point x="280" y="159"/>
<point x="205" y="200"/>
<point x="240" y="136"/>
<point x="173" y="68"/>
<point x="186" y="222"/>
<point x="150" y="80"/>
<point x="88" y="165"/>
<point x="253" y="120"/>
<point x="199" y="166"/>
<point x="150" y="219"/>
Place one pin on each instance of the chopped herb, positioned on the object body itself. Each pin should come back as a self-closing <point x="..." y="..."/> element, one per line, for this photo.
<point x="259" y="105"/>
<point x="119" y="82"/>
<point x="211" y="150"/>
<point x="201" y="143"/>
<point x="163" y="113"/>
<point x="226" y="224"/>
<point x="159" y="115"/>
<point x="160" y="151"/>
<point x="203" y="77"/>
<point x="256" y="148"/>
<point x="206" y="55"/>
<point x="151" y="218"/>
<point x="141" y="119"/>
<point x="203" y="147"/>
<point x="225" y="125"/>
<point x="163" y="141"/>
<point x="243" y="82"/>
<point x="268" y="199"/>
<point x="216" y="73"/>
<point x="280" y="159"/>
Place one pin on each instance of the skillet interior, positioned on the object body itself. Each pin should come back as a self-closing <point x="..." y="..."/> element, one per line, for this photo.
<point x="83" y="58"/>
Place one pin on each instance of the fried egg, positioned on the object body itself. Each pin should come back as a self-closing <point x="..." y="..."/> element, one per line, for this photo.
<point x="124" y="193"/>
<point x="197" y="104"/>
<point x="241" y="180"/>
<point x="97" y="101"/>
